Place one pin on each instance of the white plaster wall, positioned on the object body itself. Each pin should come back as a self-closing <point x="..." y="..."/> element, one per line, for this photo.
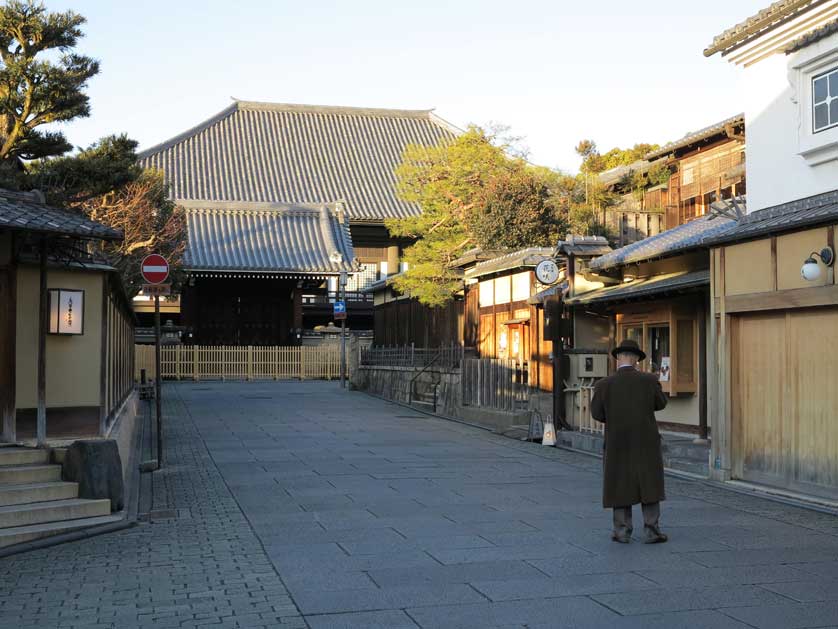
<point x="777" y="128"/>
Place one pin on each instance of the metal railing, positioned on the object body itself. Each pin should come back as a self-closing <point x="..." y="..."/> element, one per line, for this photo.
<point x="446" y="357"/>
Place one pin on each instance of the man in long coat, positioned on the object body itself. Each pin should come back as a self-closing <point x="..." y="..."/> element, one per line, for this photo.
<point x="626" y="402"/>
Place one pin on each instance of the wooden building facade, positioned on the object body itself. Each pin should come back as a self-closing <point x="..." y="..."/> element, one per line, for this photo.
<point x="656" y="292"/>
<point x="66" y="325"/>
<point x="704" y="166"/>
<point x="774" y="338"/>
<point x="507" y="325"/>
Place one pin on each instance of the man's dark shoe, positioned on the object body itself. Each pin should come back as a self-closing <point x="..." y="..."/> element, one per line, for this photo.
<point x="654" y="536"/>
<point x="622" y="539"/>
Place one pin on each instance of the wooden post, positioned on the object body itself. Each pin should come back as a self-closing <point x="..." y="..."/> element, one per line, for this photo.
<point x="8" y="334"/>
<point x="702" y="371"/>
<point x="43" y="321"/>
<point x="104" y="354"/>
<point x="302" y="362"/>
<point x="250" y="362"/>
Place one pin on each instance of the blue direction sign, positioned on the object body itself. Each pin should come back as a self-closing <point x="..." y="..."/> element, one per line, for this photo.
<point x="340" y="310"/>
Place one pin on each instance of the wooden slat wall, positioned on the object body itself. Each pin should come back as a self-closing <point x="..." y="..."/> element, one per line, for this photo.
<point x="784" y="399"/>
<point x="407" y="321"/>
<point x="118" y="353"/>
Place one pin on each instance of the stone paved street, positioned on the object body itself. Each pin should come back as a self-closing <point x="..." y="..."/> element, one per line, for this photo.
<point x="298" y="503"/>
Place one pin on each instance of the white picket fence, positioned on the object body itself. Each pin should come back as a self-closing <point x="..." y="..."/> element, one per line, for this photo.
<point x="225" y="362"/>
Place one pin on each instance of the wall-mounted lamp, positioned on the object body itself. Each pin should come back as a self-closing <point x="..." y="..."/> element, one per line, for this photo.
<point x="811" y="270"/>
<point x="66" y="311"/>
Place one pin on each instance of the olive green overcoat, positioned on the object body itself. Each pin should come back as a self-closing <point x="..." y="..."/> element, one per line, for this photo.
<point x="626" y="402"/>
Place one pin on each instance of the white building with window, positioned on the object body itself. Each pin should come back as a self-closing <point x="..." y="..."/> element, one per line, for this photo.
<point x="774" y="295"/>
<point x="789" y="56"/>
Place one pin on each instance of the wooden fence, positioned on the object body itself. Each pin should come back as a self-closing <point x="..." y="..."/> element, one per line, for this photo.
<point x="495" y="383"/>
<point x="223" y="362"/>
<point x="580" y="408"/>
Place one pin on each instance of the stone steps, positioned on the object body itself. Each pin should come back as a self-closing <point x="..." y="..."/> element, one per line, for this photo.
<point x="35" y="502"/>
<point x="52" y="511"/>
<point x="22" y="456"/>
<point x="37" y="492"/>
<point x="21" y="534"/>
<point x="24" y="474"/>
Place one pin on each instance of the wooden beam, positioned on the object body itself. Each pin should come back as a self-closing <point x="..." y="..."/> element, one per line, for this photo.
<point x="702" y="369"/>
<point x="104" y="353"/>
<point x="783" y="299"/>
<point x="774" y="263"/>
<point x="8" y="358"/>
<point x="43" y="324"/>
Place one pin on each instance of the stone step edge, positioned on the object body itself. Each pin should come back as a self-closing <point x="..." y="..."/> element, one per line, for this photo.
<point x="50" y="504"/>
<point x="11" y="537"/>
<point x="31" y="493"/>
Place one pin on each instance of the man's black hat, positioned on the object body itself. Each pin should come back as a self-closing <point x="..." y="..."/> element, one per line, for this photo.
<point x="629" y="347"/>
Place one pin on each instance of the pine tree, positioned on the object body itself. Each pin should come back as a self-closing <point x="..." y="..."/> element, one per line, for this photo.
<point x="36" y="88"/>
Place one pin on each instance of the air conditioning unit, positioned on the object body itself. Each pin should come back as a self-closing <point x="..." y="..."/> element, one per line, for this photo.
<point x="592" y="365"/>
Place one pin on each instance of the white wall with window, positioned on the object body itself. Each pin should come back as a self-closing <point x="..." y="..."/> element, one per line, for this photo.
<point x="791" y="119"/>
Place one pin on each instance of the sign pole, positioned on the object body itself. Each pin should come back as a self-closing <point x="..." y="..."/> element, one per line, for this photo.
<point x="343" y="279"/>
<point x="155" y="269"/>
<point x="157" y="388"/>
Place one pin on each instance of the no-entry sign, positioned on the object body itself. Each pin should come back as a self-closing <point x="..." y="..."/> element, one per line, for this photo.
<point x="155" y="269"/>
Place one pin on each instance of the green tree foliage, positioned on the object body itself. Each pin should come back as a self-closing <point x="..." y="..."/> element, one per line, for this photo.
<point x="103" y="167"/>
<point x="472" y="193"/>
<point x="658" y="174"/>
<point x="446" y="181"/>
<point x="106" y="184"/>
<point x="42" y="80"/>
<point x="594" y="162"/>
<point x="518" y="209"/>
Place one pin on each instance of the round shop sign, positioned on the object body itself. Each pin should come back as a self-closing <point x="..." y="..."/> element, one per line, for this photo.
<point x="547" y="271"/>
<point x="155" y="269"/>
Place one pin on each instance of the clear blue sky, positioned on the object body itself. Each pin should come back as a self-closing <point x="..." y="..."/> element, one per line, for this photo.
<point x="554" y="71"/>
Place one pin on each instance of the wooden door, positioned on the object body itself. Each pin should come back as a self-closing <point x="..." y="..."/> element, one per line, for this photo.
<point x="760" y="427"/>
<point x="813" y="384"/>
<point x="785" y="396"/>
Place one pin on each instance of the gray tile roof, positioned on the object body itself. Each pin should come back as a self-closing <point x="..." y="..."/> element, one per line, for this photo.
<point x="810" y="38"/>
<point x="697" y="136"/>
<point x="21" y="211"/>
<point x="758" y="24"/>
<point x="820" y="209"/>
<point x="676" y="240"/>
<point x="266" y="238"/>
<point x="584" y="246"/>
<point x="529" y="257"/>
<point x="647" y="287"/>
<point x="614" y="175"/>
<point x="276" y="153"/>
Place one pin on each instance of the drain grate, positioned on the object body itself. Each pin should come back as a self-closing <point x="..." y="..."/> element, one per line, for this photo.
<point x="160" y="514"/>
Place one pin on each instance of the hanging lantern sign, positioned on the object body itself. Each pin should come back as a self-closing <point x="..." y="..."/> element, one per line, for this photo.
<point x="66" y="311"/>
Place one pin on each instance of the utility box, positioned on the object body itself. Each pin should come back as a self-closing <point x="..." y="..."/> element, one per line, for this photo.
<point x="588" y="365"/>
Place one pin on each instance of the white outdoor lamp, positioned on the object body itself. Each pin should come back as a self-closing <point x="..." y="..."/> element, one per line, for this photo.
<point x="811" y="270"/>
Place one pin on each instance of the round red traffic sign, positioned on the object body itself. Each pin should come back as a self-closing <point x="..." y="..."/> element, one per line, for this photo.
<point x="155" y="269"/>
